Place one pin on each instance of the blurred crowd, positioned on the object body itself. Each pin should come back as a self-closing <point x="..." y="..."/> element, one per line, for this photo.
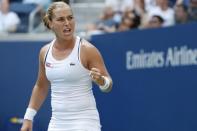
<point x="22" y="16"/>
<point x="123" y="15"/>
<point x="117" y="15"/>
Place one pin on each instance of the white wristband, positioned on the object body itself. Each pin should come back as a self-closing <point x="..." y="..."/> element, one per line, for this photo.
<point x="105" y="87"/>
<point x="30" y="113"/>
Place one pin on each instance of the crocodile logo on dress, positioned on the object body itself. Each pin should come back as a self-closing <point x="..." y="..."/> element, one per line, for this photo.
<point x="72" y="64"/>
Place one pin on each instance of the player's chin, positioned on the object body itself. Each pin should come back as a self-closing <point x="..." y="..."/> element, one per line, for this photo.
<point x="67" y="35"/>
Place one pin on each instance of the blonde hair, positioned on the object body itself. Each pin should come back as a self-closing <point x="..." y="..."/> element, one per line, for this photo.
<point x="49" y="13"/>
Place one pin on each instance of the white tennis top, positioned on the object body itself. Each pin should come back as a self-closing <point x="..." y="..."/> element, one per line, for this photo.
<point x="72" y="99"/>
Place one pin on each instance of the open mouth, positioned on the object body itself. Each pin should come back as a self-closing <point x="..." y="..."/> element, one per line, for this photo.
<point x="67" y="30"/>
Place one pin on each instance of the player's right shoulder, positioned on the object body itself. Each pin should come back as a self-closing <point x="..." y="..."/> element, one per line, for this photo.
<point x="44" y="50"/>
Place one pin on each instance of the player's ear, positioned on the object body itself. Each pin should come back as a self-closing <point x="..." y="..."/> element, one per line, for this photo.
<point x="51" y="25"/>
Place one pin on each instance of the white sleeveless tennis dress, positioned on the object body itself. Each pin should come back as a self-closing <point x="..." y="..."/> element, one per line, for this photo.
<point x="72" y="100"/>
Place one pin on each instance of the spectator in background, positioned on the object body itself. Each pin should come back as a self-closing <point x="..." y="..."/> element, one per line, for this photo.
<point x="192" y="10"/>
<point x="155" y="22"/>
<point x="163" y="10"/>
<point x="181" y="14"/>
<point x="119" y="7"/>
<point x="106" y="19"/>
<point x="105" y="23"/>
<point x="129" y="21"/>
<point x="140" y="9"/>
<point x="8" y="20"/>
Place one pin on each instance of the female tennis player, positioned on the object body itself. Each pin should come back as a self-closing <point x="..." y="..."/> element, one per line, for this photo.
<point x="68" y="64"/>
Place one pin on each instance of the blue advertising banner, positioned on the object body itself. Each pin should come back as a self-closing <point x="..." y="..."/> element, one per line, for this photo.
<point x="154" y="79"/>
<point x="153" y="73"/>
<point x="18" y="72"/>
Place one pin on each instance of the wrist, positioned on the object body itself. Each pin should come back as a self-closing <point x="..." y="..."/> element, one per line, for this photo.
<point x="106" y="84"/>
<point x="29" y="114"/>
